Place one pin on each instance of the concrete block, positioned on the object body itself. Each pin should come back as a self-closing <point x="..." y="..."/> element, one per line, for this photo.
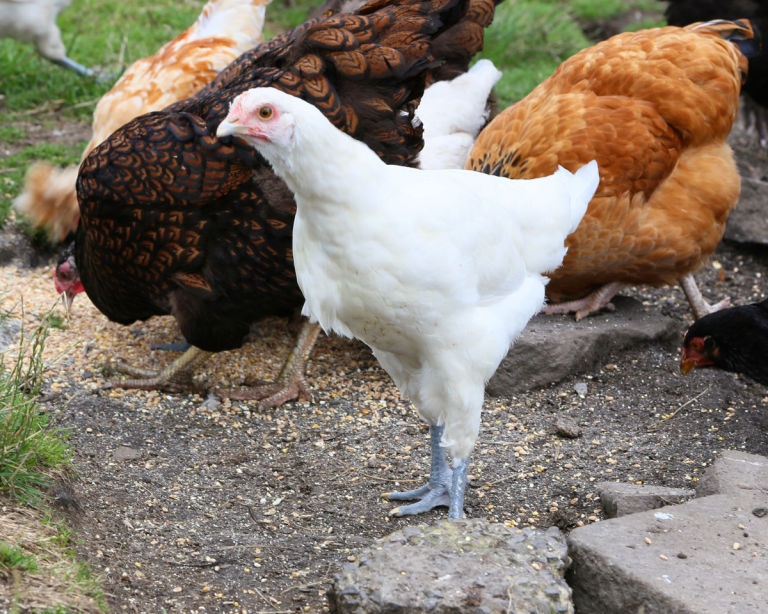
<point x="707" y="556"/>
<point x="620" y="499"/>
<point x="732" y="472"/>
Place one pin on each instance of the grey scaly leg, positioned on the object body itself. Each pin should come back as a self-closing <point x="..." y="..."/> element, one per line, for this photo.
<point x="436" y="492"/>
<point x="458" y="486"/>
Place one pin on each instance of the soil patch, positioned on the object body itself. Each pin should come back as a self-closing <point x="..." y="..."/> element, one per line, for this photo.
<point x="189" y="504"/>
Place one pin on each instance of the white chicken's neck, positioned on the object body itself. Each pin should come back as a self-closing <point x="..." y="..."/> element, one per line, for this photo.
<point x="323" y="161"/>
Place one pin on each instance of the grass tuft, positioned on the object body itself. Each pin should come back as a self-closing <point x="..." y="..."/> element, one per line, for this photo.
<point x="526" y="41"/>
<point x="12" y="557"/>
<point x="28" y="445"/>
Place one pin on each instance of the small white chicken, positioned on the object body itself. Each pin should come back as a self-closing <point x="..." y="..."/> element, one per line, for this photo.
<point x="436" y="271"/>
<point x="34" y="21"/>
<point x="453" y="113"/>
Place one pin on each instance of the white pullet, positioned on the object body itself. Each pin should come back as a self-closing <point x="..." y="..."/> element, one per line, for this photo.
<point x="436" y="271"/>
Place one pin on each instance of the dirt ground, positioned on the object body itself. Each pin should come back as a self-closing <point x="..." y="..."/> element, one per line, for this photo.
<point x="182" y="504"/>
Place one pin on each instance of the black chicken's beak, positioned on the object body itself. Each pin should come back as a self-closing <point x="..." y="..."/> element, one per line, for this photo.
<point x="686" y="364"/>
<point x="67" y="297"/>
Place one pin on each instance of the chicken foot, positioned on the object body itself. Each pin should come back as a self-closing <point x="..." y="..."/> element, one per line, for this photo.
<point x="592" y="303"/>
<point x="290" y="383"/>
<point x="176" y="377"/>
<point x="698" y="303"/>
<point x="437" y="491"/>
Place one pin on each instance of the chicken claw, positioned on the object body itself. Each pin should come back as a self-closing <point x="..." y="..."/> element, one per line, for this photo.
<point x="434" y="494"/>
<point x="592" y="303"/>
<point x="176" y="377"/>
<point x="290" y="383"/>
<point x="698" y="303"/>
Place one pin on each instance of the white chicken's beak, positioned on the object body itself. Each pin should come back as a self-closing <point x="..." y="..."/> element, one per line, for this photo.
<point x="228" y="128"/>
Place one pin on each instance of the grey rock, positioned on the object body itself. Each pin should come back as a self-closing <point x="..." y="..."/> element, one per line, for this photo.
<point x="552" y="348"/>
<point x="707" y="556"/>
<point x="619" y="499"/>
<point x="126" y="453"/>
<point x="567" y="427"/>
<point x="456" y="567"/>
<point x="734" y="471"/>
<point x="9" y="333"/>
<point x="581" y="389"/>
<point x="747" y="221"/>
<point x="16" y="249"/>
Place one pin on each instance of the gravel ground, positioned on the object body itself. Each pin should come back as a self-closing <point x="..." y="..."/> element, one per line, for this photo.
<point x="187" y="504"/>
<point x="190" y="504"/>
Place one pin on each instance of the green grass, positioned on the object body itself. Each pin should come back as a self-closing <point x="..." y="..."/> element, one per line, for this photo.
<point x="37" y="550"/>
<point x="526" y="41"/>
<point x="13" y="557"/>
<point x="29" y="447"/>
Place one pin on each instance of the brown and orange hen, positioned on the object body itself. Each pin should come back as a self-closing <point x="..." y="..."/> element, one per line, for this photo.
<point x="654" y="108"/>
<point x="176" y="221"/>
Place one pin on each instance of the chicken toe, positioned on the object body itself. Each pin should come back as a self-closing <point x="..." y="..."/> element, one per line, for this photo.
<point x="176" y="377"/>
<point x="698" y="303"/>
<point x="592" y="303"/>
<point x="437" y="492"/>
<point x="290" y="384"/>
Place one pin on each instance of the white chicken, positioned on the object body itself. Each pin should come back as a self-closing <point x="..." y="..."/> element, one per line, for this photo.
<point x="436" y="271"/>
<point x="34" y="22"/>
<point x="453" y="113"/>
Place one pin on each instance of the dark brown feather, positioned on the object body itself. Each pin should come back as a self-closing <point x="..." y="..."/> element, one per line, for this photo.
<point x="175" y="221"/>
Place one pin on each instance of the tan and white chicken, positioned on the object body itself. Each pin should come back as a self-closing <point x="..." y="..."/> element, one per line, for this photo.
<point x="436" y="271"/>
<point x="224" y="30"/>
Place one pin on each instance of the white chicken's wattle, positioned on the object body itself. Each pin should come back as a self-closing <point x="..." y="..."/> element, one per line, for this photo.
<point x="436" y="271"/>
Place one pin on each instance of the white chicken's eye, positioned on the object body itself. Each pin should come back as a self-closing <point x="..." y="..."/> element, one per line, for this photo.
<point x="265" y="112"/>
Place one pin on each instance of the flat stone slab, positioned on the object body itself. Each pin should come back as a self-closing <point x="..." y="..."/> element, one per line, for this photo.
<point x="708" y="556"/>
<point x="553" y="347"/>
<point x="619" y="499"/>
<point x="733" y="472"/>
<point x="457" y="567"/>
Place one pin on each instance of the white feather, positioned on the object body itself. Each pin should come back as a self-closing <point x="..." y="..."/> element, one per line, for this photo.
<point x="453" y="113"/>
<point x="437" y="271"/>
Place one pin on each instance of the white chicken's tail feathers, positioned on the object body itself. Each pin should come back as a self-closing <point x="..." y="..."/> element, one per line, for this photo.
<point x="584" y="183"/>
<point x="453" y="113"/>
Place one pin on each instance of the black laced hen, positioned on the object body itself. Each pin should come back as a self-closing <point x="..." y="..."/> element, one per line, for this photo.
<point x="175" y="221"/>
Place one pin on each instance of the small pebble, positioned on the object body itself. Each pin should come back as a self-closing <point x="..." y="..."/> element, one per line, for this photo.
<point x="567" y="427"/>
